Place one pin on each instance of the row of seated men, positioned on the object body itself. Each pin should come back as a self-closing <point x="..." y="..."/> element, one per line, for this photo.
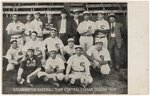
<point x="89" y="35"/>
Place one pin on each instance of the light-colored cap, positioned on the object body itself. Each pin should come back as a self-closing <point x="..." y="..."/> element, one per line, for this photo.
<point x="75" y="10"/>
<point x="53" y="50"/>
<point x="111" y="15"/>
<point x="78" y="46"/>
<point x="98" y="41"/>
<point x="86" y="12"/>
<point x="53" y="29"/>
<point x="70" y="39"/>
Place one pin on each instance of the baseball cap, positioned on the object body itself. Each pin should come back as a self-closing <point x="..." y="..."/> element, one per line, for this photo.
<point x="86" y="12"/>
<point x="11" y="41"/>
<point x="53" y="29"/>
<point x="75" y="10"/>
<point x="111" y="15"/>
<point x="31" y="49"/>
<point x="37" y="13"/>
<point x="53" y="50"/>
<point x="70" y="39"/>
<point x="78" y="46"/>
<point x="98" y="41"/>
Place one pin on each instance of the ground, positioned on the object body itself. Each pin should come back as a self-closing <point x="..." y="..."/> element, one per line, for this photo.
<point x="114" y="83"/>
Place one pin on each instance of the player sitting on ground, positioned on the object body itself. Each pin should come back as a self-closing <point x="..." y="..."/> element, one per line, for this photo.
<point x="13" y="55"/>
<point x="29" y="67"/>
<point x="80" y="68"/>
<point x="53" y="69"/>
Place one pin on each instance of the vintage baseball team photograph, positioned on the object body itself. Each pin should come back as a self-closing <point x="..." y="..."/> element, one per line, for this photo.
<point x="64" y="48"/>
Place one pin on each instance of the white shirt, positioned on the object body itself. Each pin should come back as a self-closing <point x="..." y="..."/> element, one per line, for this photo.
<point x="113" y="25"/>
<point x="36" y="45"/>
<point x="77" y="21"/>
<point x="53" y="43"/>
<point x="78" y="63"/>
<point x="97" y="54"/>
<point x="69" y="50"/>
<point x="57" y="62"/>
<point x="13" y="54"/>
<point x="36" y="25"/>
<point x="14" y="27"/>
<point x="63" y="26"/>
<point x="28" y="27"/>
<point x="85" y="26"/>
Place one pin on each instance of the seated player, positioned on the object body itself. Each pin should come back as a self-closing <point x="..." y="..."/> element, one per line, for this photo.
<point x="53" y="69"/>
<point x="35" y="44"/>
<point x="100" y="57"/>
<point x="80" y="68"/>
<point x="29" y="67"/>
<point x="69" y="49"/>
<point x="14" y="55"/>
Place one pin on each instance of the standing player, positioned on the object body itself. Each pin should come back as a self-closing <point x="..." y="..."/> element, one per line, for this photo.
<point x="15" y="30"/>
<point x="28" y="27"/>
<point x="53" y="69"/>
<point x="100" y="56"/>
<point x="29" y="67"/>
<point x="102" y="29"/>
<point x="37" y="25"/>
<point x="80" y="68"/>
<point x="13" y="55"/>
<point x="69" y="49"/>
<point x="86" y="30"/>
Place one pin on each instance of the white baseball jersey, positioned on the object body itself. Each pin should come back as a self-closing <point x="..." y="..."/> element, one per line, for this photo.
<point x="53" y="43"/>
<point x="97" y="54"/>
<point x="36" y="45"/>
<point x="13" y="54"/>
<point x="69" y="50"/>
<point x="78" y="63"/>
<point x="85" y="25"/>
<point x="57" y="62"/>
<point x="36" y="25"/>
<point x="15" y="27"/>
<point x="28" y="27"/>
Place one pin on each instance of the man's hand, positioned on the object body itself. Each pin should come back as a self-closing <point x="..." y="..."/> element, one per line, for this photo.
<point x="19" y="78"/>
<point x="66" y="78"/>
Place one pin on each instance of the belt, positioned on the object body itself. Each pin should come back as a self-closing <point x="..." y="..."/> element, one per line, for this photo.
<point x="100" y="37"/>
<point x="77" y="71"/>
<point x="87" y="35"/>
<point x="16" y="37"/>
<point x="40" y="36"/>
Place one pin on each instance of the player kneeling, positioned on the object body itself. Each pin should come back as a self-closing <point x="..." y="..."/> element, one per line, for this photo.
<point x="29" y="68"/>
<point x="80" y="68"/>
<point x="53" y="69"/>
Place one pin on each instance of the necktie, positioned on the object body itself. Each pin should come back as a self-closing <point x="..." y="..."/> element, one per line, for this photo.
<point x="112" y="27"/>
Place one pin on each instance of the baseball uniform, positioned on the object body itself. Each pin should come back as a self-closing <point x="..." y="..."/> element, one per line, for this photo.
<point x="102" y="54"/>
<point x="15" y="30"/>
<point x="56" y="64"/>
<point x="102" y="25"/>
<point x="28" y="31"/>
<point x="80" y="69"/>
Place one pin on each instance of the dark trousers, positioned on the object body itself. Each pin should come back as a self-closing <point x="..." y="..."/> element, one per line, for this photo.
<point x="64" y="38"/>
<point x="114" y="53"/>
<point x="76" y="39"/>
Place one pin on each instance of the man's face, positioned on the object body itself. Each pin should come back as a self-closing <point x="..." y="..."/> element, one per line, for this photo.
<point x="15" y="17"/>
<point x="63" y="15"/>
<point x="71" y="44"/>
<point x="76" y="15"/>
<point x="86" y="17"/>
<point x="49" y="17"/>
<point x="112" y="19"/>
<point x="28" y="18"/>
<point x="53" y="54"/>
<point x="14" y="45"/>
<point x="78" y="51"/>
<point x="37" y="16"/>
<point x="33" y="36"/>
<point x="99" y="46"/>
<point x="100" y="17"/>
<point x="30" y="53"/>
<point x="52" y="33"/>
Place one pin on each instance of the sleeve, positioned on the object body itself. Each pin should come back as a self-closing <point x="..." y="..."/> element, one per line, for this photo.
<point x="106" y="25"/>
<point x="87" y="62"/>
<point x="107" y="55"/>
<point x="93" y="27"/>
<point x="80" y="28"/>
<point x="25" y="48"/>
<point x="96" y="25"/>
<point x="70" y="61"/>
<point x="47" y="64"/>
<point x="89" y="52"/>
<point x="8" y="55"/>
<point x="61" y="44"/>
<point x="8" y="27"/>
<point x="61" y="64"/>
<point x="22" y="25"/>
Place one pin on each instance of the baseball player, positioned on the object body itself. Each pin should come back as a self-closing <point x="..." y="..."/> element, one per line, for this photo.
<point x="36" y="45"/>
<point x="53" y="42"/>
<point x="102" y="29"/>
<point x="53" y="69"/>
<point x="28" y="27"/>
<point x="80" y="68"/>
<point x="15" y="29"/>
<point x="37" y="26"/>
<point x="86" y="30"/>
<point x="29" y="68"/>
<point x="14" y="55"/>
<point x="69" y="49"/>
<point x="100" y="56"/>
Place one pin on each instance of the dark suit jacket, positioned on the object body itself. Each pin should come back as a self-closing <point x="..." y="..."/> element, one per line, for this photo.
<point x="118" y="32"/>
<point x="74" y="32"/>
<point x="68" y="26"/>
